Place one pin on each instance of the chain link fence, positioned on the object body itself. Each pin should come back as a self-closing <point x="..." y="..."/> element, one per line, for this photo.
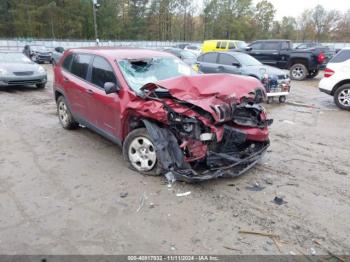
<point x="18" y="44"/>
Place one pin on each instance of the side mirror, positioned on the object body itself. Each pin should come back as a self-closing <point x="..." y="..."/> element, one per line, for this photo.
<point x="248" y="48"/>
<point x="59" y="49"/>
<point x="110" y="88"/>
<point x="236" y="64"/>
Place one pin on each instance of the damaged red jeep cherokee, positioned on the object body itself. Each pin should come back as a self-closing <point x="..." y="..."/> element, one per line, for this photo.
<point x="168" y="119"/>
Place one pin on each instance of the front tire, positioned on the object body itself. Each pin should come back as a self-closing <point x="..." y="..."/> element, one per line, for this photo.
<point x="342" y="97"/>
<point x="65" y="116"/>
<point x="298" y="72"/>
<point x="41" y="86"/>
<point x="140" y="153"/>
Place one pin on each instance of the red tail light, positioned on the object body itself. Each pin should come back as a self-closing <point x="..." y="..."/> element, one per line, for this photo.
<point x="321" y="57"/>
<point x="328" y="72"/>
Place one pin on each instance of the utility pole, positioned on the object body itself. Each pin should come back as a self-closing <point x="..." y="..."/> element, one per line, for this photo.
<point x="95" y="6"/>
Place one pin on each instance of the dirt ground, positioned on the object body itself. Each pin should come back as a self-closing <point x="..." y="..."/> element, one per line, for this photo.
<point x="70" y="192"/>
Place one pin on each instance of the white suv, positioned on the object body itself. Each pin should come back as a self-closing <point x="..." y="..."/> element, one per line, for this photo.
<point x="336" y="81"/>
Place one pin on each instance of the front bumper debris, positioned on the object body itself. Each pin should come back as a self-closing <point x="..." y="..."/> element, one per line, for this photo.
<point x="236" y="169"/>
<point x="219" y="165"/>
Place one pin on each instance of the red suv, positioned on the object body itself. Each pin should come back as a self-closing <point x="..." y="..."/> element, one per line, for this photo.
<point x="168" y="119"/>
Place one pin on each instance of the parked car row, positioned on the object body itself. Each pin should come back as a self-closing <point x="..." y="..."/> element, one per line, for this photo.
<point x="41" y="54"/>
<point x="276" y="81"/>
<point x="303" y="62"/>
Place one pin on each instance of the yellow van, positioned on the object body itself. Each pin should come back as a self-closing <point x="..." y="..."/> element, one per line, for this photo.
<point x="222" y="45"/>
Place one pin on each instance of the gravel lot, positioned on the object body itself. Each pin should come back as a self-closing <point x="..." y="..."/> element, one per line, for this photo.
<point x="70" y="192"/>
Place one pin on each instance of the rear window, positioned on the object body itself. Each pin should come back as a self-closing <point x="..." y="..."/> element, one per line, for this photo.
<point x="80" y="65"/>
<point x="209" y="58"/>
<point x="342" y="56"/>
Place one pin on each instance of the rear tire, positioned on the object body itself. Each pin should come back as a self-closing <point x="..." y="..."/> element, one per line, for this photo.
<point x="298" y="72"/>
<point x="140" y="153"/>
<point x="342" y="97"/>
<point x="64" y="115"/>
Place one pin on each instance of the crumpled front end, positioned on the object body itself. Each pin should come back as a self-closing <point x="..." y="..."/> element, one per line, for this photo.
<point x="232" y="157"/>
<point x="192" y="151"/>
<point x="208" y="136"/>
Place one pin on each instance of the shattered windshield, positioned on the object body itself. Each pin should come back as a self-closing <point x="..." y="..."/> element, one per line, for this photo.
<point x="138" y="72"/>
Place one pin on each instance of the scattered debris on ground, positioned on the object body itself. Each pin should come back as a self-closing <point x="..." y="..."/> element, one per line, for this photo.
<point x="279" y="200"/>
<point x="183" y="194"/>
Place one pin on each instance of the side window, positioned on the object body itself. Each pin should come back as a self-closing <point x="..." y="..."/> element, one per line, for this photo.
<point x="231" y="45"/>
<point x="225" y="59"/>
<point x="285" y="46"/>
<point x="270" y="46"/>
<point x="256" y="46"/>
<point x="218" y="44"/>
<point x="67" y="62"/>
<point x="210" y="57"/>
<point x="102" y="72"/>
<point x="80" y="65"/>
<point x="342" y="56"/>
<point x="223" y="45"/>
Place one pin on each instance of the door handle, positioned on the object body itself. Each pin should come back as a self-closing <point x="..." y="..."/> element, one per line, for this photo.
<point x="65" y="79"/>
<point x="89" y="91"/>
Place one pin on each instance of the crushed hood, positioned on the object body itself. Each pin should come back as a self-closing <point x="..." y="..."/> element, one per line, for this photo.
<point x="209" y="90"/>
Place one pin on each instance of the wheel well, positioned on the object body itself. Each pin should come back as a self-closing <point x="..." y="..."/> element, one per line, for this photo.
<point x="57" y="95"/>
<point x="298" y="61"/>
<point x="130" y="124"/>
<point x="346" y="81"/>
<point x="255" y="77"/>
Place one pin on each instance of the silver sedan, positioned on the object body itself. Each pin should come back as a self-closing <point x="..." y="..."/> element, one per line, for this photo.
<point x="18" y="70"/>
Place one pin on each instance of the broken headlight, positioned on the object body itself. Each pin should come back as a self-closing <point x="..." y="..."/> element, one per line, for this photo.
<point x="223" y="111"/>
<point x="184" y="126"/>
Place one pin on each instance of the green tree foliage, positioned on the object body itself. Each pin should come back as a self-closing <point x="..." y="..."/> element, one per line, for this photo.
<point x="263" y="18"/>
<point x="181" y="20"/>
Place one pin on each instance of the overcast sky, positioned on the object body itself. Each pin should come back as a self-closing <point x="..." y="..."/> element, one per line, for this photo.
<point x="296" y="7"/>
